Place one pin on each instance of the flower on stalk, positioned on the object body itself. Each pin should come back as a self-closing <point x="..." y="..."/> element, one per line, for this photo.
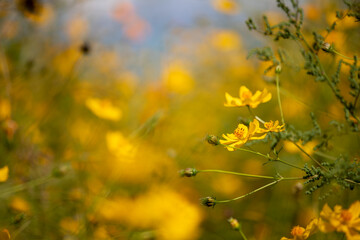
<point x="234" y="223"/>
<point x="208" y="201"/>
<point x="272" y="127"/>
<point x="300" y="233"/>
<point x="341" y="220"/>
<point x="188" y="172"/>
<point x="241" y="135"/>
<point x="247" y="98"/>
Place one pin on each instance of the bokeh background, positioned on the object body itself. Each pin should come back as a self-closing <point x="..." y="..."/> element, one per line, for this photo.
<point x="102" y="102"/>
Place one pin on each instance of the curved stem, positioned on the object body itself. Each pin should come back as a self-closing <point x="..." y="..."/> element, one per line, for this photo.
<point x="341" y="55"/>
<point x="252" y="192"/>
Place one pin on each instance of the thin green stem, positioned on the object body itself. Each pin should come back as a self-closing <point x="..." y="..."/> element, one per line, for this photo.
<point x="309" y="156"/>
<point x="236" y="173"/>
<point x="249" y="175"/>
<point x="341" y="55"/>
<point x="242" y="233"/>
<point x="264" y="156"/>
<point x="278" y="96"/>
<point x="286" y="163"/>
<point x="252" y="192"/>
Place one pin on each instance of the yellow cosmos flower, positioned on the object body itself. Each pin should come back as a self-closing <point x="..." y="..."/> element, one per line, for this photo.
<point x="341" y="220"/>
<point x="247" y="98"/>
<point x="300" y="233"/>
<point x="241" y="135"/>
<point x="272" y="127"/>
<point x="103" y="108"/>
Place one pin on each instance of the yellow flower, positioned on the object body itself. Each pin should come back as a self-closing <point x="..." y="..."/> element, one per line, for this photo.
<point x="226" y="40"/>
<point x="272" y="127"/>
<point x="300" y="233"/>
<point x="225" y="6"/>
<point x="241" y="135"/>
<point x="341" y="220"/>
<point x="246" y="98"/>
<point x="103" y="108"/>
<point x="4" y="174"/>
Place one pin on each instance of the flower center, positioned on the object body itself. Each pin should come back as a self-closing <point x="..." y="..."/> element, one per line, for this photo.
<point x="346" y="215"/>
<point x="246" y="95"/>
<point x="297" y="231"/>
<point x="268" y="125"/>
<point x="241" y="131"/>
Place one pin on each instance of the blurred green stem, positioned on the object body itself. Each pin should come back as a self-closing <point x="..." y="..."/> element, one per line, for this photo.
<point x="278" y="96"/>
<point x="13" y="189"/>
<point x="242" y="233"/>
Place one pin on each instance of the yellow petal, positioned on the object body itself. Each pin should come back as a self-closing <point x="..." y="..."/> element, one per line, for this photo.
<point x="355" y="209"/>
<point x="4" y="174"/>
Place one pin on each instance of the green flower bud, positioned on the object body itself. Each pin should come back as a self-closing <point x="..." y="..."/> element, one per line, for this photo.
<point x="188" y="172"/>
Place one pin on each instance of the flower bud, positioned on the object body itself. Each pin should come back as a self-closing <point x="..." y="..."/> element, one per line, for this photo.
<point x="278" y="69"/>
<point x="208" y="201"/>
<point x="234" y="223"/>
<point x="325" y="46"/>
<point x="212" y="139"/>
<point x="188" y="172"/>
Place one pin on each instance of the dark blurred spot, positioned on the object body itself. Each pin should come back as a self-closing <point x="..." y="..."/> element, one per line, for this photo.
<point x="85" y="48"/>
<point x="29" y="6"/>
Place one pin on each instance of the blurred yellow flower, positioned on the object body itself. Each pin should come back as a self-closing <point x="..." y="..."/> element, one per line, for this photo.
<point x="4" y="234"/>
<point x="66" y="60"/>
<point x="35" y="11"/>
<point x="272" y="127"/>
<point x="155" y="210"/>
<point x="341" y="220"/>
<point x="70" y="225"/>
<point x="119" y="145"/>
<point x="246" y="98"/>
<point x="76" y="28"/>
<point x="226" y="40"/>
<point x="19" y="204"/>
<point x="5" y="109"/>
<point x="177" y="78"/>
<point x="103" y="108"/>
<point x="300" y="233"/>
<point x="4" y="174"/>
<point x="225" y="6"/>
<point x="241" y="135"/>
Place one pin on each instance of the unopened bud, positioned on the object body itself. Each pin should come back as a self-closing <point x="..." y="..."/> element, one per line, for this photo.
<point x="208" y="201"/>
<point x="234" y="223"/>
<point x="278" y="69"/>
<point x="212" y="139"/>
<point x="325" y="46"/>
<point x="188" y="172"/>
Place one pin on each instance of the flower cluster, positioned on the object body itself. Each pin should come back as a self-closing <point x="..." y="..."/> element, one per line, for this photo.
<point x="342" y="220"/>
<point x="243" y="133"/>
